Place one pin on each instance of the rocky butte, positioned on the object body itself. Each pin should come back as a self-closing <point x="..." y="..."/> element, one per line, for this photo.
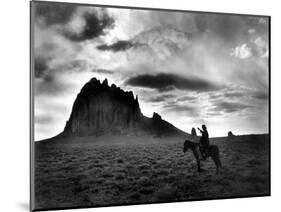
<point x="100" y="109"/>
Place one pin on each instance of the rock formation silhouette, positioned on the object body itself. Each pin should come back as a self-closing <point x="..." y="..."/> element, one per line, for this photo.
<point x="193" y="131"/>
<point x="230" y="134"/>
<point x="101" y="109"/>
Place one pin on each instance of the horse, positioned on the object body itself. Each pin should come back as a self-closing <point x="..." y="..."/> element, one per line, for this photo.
<point x="212" y="151"/>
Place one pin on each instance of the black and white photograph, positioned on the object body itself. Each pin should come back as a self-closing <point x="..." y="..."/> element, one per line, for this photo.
<point x="140" y="105"/>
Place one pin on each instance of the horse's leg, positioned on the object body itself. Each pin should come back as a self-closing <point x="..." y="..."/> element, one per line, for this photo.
<point x="216" y="158"/>
<point x="219" y="161"/>
<point x="216" y="163"/>
<point x="217" y="169"/>
<point x="197" y="159"/>
<point x="198" y="166"/>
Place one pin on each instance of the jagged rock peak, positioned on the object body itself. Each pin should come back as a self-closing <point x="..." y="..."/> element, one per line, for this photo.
<point x="100" y="108"/>
<point x="94" y="87"/>
<point x="105" y="82"/>
<point x="230" y="134"/>
<point x="156" y="116"/>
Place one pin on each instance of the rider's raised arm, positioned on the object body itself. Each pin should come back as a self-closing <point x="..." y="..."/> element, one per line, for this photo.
<point x="200" y="130"/>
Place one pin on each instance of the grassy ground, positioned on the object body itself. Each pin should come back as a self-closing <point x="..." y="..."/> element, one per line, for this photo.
<point x="127" y="171"/>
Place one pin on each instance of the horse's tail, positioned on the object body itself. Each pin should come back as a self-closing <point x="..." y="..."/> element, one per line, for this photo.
<point x="218" y="154"/>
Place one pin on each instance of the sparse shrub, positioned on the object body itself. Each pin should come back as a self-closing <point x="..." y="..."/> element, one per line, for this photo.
<point x="120" y="176"/>
<point x="147" y="190"/>
<point x="253" y="179"/>
<point x="170" y="178"/>
<point x="68" y="167"/>
<point x="107" y="174"/>
<point x="96" y="161"/>
<point x="144" y="166"/>
<point x="130" y="179"/>
<point x="120" y="160"/>
<point x="79" y="188"/>
<point x="98" y="165"/>
<point x="119" y="169"/>
<point x="121" y="186"/>
<point x="144" y="172"/>
<point x="95" y="190"/>
<point x="91" y="166"/>
<point x="165" y="193"/>
<point x="129" y="166"/>
<point x="162" y="172"/>
<point x="144" y="181"/>
<point x="97" y="181"/>
<point x="135" y="196"/>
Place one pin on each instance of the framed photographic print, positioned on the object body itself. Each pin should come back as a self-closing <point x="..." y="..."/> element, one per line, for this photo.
<point x="144" y="105"/>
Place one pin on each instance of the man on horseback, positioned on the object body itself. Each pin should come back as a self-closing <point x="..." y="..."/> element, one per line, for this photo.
<point x="204" y="141"/>
<point x="202" y="149"/>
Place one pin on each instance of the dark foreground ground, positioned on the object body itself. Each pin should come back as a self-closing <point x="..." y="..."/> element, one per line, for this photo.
<point x="126" y="170"/>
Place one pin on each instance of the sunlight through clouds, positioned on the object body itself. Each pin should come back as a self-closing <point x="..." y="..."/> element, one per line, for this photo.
<point x="192" y="68"/>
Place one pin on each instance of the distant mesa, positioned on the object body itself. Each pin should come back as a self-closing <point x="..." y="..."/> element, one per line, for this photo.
<point x="230" y="134"/>
<point x="100" y="109"/>
<point x="156" y="116"/>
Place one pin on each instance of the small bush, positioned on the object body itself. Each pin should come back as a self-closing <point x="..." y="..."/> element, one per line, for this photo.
<point x="145" y="172"/>
<point x="120" y="160"/>
<point x="166" y="193"/>
<point x="107" y="174"/>
<point x="97" y="181"/>
<point x="146" y="191"/>
<point x="120" y="176"/>
<point x="144" y="167"/>
<point x="171" y="178"/>
<point x="79" y="188"/>
<point x="144" y="181"/>
<point x="135" y="196"/>
<point x="128" y="166"/>
<point x="160" y="172"/>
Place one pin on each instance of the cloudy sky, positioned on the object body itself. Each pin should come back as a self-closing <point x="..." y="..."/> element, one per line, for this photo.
<point x="191" y="68"/>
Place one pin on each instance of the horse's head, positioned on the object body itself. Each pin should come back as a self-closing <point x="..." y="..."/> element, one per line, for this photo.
<point x="186" y="146"/>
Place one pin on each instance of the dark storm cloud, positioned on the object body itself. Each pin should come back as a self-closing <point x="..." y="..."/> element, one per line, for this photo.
<point x="42" y="70"/>
<point x="53" y="13"/>
<point x="161" y="98"/>
<point x="261" y="95"/>
<point x="71" y="66"/>
<point x="43" y="119"/>
<point x="102" y="71"/>
<point x="214" y="113"/>
<point x="229" y="107"/>
<point x="181" y="109"/>
<point x="186" y="98"/>
<point x="40" y="67"/>
<point x="233" y="94"/>
<point x="228" y="93"/>
<point x="52" y="87"/>
<point x="225" y="26"/>
<point x="215" y="96"/>
<point x="95" y="26"/>
<point x="229" y="28"/>
<point x="168" y="81"/>
<point x="61" y="14"/>
<point x="121" y="45"/>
